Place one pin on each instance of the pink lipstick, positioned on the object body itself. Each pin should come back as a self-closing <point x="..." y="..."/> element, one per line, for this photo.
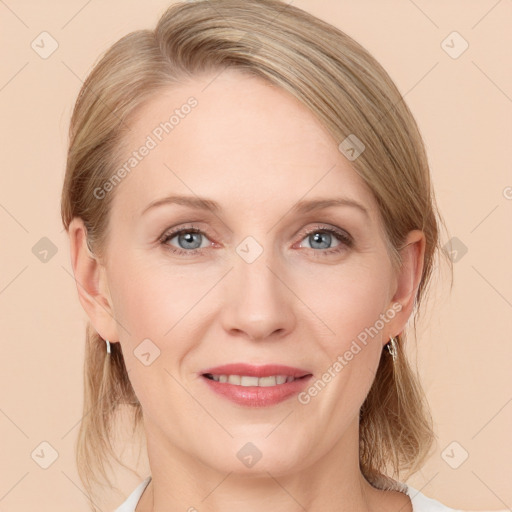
<point x="256" y="386"/>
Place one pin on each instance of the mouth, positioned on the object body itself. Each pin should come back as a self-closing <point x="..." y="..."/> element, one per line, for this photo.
<point x="256" y="386"/>
<point x="244" y="374"/>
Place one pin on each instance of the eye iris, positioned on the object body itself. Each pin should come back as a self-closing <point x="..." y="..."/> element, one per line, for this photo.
<point x="189" y="238"/>
<point x="317" y="237"/>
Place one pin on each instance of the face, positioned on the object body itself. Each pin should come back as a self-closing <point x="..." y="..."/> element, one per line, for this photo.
<point x="258" y="276"/>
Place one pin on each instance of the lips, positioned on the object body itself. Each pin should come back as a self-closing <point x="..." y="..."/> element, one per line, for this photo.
<point x="236" y="383"/>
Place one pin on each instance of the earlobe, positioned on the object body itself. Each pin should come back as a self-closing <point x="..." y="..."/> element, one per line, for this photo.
<point x="90" y="278"/>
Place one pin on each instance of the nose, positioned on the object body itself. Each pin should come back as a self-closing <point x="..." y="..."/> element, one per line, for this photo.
<point x="258" y="304"/>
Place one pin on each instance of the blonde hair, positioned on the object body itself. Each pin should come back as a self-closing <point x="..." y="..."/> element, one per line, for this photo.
<point x="350" y="93"/>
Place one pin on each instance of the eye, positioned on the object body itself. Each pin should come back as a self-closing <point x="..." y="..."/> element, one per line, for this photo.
<point x="321" y="237"/>
<point x="191" y="240"/>
<point x="188" y="239"/>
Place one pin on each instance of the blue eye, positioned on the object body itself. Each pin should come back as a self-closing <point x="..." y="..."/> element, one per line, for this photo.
<point x="190" y="240"/>
<point x="189" y="237"/>
<point x="323" y="235"/>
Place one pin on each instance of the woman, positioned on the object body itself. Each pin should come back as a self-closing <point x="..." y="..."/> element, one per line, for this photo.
<point x="251" y="225"/>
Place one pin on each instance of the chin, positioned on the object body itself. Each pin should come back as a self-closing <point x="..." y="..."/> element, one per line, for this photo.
<point x="256" y="456"/>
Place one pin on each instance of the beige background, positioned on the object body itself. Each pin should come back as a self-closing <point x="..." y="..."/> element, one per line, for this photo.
<point x="463" y="106"/>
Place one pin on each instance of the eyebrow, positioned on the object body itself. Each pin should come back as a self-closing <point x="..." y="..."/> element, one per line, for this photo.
<point x="304" y="206"/>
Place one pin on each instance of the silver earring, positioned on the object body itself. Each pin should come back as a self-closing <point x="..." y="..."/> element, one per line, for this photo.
<point x="393" y="348"/>
<point x="108" y="346"/>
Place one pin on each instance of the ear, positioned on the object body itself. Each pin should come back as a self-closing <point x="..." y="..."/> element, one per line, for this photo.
<point x="407" y="280"/>
<point x="91" y="282"/>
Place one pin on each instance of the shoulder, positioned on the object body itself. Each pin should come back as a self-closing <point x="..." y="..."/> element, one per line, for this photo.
<point x="421" y="503"/>
<point x="132" y="500"/>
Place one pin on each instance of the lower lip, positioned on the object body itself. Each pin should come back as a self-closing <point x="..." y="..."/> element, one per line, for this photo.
<point x="256" y="396"/>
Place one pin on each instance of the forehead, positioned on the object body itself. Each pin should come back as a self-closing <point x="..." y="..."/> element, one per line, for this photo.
<point x="237" y="138"/>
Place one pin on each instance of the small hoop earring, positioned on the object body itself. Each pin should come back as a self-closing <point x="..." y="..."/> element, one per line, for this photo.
<point x="108" y="346"/>
<point x="392" y="346"/>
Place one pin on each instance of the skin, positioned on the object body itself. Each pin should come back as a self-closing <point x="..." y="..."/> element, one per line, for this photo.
<point x="256" y="150"/>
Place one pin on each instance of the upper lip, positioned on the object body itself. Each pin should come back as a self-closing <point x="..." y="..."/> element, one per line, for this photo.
<point x="251" y="370"/>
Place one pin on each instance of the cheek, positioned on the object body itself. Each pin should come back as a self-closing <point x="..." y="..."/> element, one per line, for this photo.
<point x="348" y="299"/>
<point x="152" y="296"/>
<point x="144" y="302"/>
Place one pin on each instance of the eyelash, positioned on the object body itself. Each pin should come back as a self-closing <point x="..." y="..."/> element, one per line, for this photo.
<point x="345" y="240"/>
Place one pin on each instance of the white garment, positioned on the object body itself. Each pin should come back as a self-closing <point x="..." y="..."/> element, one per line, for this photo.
<point x="420" y="503"/>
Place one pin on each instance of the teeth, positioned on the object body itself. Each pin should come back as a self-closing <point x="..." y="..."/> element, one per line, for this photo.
<point x="246" y="380"/>
<point x="234" y="379"/>
<point x="267" y="381"/>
